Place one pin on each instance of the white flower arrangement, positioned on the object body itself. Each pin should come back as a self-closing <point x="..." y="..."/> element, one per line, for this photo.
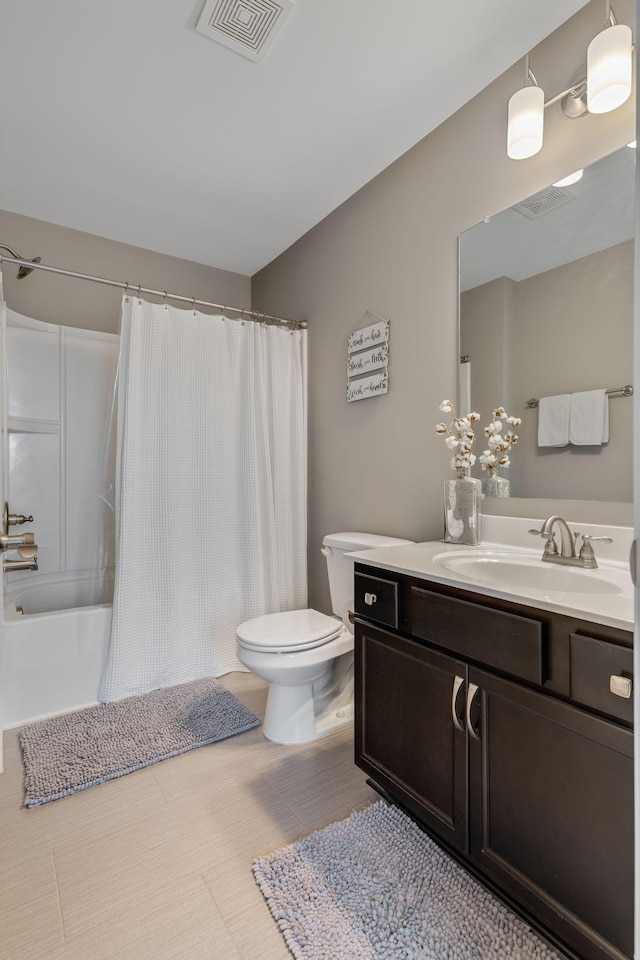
<point x="500" y="441"/>
<point x="460" y="437"/>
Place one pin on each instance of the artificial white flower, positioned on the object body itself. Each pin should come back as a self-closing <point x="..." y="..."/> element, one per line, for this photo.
<point x="494" y="427"/>
<point x="498" y="442"/>
<point x="460" y="436"/>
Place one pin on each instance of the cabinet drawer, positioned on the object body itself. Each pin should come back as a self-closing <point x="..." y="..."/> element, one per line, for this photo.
<point x="505" y="641"/>
<point x="377" y="599"/>
<point x="593" y="664"/>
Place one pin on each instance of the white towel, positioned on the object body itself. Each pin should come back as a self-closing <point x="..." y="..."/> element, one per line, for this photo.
<point x="553" y="421"/>
<point x="589" y="418"/>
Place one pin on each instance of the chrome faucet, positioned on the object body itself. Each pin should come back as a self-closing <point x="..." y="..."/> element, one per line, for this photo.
<point x="567" y="553"/>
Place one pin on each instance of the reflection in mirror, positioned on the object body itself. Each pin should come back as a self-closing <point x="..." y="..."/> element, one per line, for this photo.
<point x="546" y="310"/>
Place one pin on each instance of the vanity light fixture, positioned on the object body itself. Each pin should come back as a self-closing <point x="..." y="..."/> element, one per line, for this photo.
<point x="606" y="86"/>
<point x="609" y="66"/>
<point x="526" y="118"/>
<point x="567" y="181"/>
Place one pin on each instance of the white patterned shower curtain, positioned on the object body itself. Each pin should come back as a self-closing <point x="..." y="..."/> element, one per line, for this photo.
<point x="210" y="491"/>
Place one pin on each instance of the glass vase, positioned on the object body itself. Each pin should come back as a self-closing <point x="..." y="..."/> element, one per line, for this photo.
<point x="495" y="486"/>
<point x="462" y="497"/>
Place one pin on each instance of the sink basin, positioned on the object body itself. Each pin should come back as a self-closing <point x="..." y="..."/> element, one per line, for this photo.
<point x="515" y="572"/>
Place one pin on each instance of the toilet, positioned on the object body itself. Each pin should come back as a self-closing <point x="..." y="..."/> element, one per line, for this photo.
<point x="307" y="656"/>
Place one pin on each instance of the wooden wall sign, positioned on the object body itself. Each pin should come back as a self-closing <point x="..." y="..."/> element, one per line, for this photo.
<point x="368" y="350"/>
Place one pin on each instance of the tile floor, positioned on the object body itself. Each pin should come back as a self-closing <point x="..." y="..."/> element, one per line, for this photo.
<point x="157" y="864"/>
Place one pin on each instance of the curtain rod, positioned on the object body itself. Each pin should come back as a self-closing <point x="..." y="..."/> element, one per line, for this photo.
<point x="136" y="289"/>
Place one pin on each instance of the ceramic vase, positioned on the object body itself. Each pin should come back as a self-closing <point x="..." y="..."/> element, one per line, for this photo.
<point x="462" y="496"/>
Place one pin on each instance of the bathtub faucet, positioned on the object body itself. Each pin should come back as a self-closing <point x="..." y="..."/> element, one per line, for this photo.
<point x="27" y="559"/>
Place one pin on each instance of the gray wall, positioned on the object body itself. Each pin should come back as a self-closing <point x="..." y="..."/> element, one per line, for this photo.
<point x="561" y="331"/>
<point x="377" y="465"/>
<point x="77" y="303"/>
<point x="574" y="341"/>
<point x="488" y="336"/>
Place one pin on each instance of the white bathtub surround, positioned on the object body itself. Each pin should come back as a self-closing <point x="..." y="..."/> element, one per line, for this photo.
<point x="210" y="491"/>
<point x="59" y="391"/>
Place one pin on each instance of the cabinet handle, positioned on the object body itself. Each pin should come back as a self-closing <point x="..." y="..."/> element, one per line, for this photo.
<point x="457" y="722"/>
<point x="370" y="599"/>
<point x="621" y="687"/>
<point x="473" y="689"/>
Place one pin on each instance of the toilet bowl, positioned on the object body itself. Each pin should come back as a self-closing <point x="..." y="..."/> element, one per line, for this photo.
<point x="307" y="656"/>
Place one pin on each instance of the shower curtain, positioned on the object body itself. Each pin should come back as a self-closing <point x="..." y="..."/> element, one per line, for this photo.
<point x="210" y="491"/>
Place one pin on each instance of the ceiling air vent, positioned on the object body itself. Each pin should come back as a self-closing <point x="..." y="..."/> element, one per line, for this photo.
<point x="544" y="202"/>
<point x="247" y="26"/>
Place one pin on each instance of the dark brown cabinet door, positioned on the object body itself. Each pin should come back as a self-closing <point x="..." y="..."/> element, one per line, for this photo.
<point x="410" y="735"/>
<point x="551" y="810"/>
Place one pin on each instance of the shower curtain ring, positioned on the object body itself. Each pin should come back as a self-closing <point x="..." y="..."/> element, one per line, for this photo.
<point x="139" y="297"/>
<point x="165" y="300"/>
<point x="194" y="305"/>
<point x="126" y="291"/>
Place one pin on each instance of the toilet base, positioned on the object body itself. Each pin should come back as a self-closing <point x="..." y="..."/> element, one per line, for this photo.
<point x="291" y="717"/>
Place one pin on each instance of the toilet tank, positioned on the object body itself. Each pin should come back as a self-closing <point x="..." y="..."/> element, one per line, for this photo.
<point x="340" y="567"/>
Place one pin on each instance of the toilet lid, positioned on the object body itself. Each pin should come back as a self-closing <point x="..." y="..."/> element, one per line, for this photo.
<point x="293" y="630"/>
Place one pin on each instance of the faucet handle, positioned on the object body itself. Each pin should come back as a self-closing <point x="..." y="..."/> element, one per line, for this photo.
<point x="587" y="555"/>
<point x="550" y="547"/>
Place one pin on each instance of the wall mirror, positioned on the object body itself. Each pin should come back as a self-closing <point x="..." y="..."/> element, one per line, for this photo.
<point x="546" y="308"/>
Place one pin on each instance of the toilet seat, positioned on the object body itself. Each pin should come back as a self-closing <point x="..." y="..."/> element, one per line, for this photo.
<point x="288" y="632"/>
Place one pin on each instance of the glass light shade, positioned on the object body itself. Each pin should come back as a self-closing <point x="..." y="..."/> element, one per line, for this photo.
<point x="609" y="69"/>
<point x="526" y="123"/>
<point x="567" y="181"/>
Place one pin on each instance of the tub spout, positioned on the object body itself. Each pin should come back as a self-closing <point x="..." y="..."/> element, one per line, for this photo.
<point x="27" y="559"/>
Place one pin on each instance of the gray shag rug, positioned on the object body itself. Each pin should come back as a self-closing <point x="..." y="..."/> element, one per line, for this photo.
<point x="69" y="753"/>
<point x="375" y="887"/>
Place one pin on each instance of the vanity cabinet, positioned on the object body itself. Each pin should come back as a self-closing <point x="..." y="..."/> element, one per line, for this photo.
<point x="493" y="724"/>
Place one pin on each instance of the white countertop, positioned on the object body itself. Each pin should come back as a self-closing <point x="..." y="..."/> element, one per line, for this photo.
<point x="611" y="601"/>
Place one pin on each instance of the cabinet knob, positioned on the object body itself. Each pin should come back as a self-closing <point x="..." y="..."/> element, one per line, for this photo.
<point x="370" y="599"/>
<point x="621" y="686"/>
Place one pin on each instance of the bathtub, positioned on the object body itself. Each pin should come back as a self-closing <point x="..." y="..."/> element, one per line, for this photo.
<point x="55" y="639"/>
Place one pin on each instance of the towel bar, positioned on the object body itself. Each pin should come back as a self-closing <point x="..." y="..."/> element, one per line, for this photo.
<point x="626" y="391"/>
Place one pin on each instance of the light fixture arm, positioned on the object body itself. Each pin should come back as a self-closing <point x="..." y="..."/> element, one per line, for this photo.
<point x="609" y="15"/>
<point x="529" y="75"/>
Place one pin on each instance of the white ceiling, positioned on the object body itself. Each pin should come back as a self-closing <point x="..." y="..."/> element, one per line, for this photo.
<point x="600" y="214"/>
<point x="120" y="119"/>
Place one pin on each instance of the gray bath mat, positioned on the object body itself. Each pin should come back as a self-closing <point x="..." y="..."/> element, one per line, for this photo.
<point x="70" y="753"/>
<point x="375" y="886"/>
